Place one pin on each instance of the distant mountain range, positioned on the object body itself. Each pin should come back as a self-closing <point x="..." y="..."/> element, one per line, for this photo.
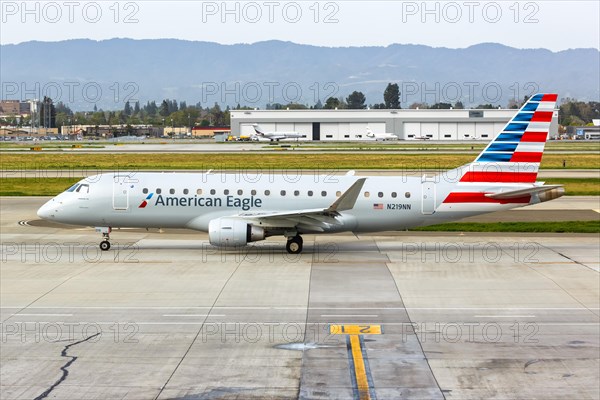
<point x="84" y="72"/>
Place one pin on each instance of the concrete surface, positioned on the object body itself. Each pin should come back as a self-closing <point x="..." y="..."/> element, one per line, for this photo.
<point x="166" y="316"/>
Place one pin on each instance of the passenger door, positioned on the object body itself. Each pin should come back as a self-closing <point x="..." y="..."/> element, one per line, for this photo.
<point x="120" y="192"/>
<point x="427" y="195"/>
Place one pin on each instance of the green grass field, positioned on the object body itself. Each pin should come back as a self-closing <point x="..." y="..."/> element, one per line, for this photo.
<point x="551" y="227"/>
<point x="279" y="160"/>
<point x="475" y="146"/>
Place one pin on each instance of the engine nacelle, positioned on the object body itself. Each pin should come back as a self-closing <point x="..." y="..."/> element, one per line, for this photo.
<point x="231" y="232"/>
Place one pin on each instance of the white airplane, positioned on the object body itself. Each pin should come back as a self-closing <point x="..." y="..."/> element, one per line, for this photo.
<point x="422" y="138"/>
<point x="236" y="212"/>
<point x="260" y="133"/>
<point x="380" y="136"/>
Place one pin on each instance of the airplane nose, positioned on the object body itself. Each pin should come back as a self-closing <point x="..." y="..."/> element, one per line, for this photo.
<point x="46" y="211"/>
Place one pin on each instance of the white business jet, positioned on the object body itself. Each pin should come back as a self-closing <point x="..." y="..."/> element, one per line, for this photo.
<point x="380" y="136"/>
<point x="261" y="133"/>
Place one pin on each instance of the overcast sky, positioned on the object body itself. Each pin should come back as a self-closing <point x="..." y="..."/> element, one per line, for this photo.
<point x="555" y="25"/>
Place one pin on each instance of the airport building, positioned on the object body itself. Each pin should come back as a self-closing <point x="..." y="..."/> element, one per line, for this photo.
<point x="15" y="108"/>
<point x="407" y="124"/>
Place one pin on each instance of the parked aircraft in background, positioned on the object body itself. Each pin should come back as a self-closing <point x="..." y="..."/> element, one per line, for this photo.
<point x="237" y="211"/>
<point x="261" y="133"/>
<point x="380" y="136"/>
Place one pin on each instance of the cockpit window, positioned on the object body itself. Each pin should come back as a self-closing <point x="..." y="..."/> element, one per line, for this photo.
<point x="72" y="188"/>
<point x="83" y="188"/>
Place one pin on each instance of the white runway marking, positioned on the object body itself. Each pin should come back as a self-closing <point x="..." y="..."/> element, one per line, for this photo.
<point x="504" y="316"/>
<point x="43" y="315"/>
<point x="193" y="315"/>
<point x="349" y="316"/>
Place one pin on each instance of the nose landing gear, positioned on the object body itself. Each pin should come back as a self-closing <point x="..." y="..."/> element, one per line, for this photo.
<point x="105" y="243"/>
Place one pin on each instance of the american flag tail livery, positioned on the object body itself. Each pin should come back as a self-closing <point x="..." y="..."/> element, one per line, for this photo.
<point x="505" y="171"/>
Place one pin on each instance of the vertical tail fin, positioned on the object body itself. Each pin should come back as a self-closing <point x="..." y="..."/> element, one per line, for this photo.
<point x="515" y="153"/>
<point x="257" y="128"/>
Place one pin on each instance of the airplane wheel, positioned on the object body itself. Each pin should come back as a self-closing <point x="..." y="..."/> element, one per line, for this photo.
<point x="294" y="245"/>
<point x="104" y="245"/>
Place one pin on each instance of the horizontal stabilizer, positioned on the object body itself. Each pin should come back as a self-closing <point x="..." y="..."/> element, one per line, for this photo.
<point x="523" y="192"/>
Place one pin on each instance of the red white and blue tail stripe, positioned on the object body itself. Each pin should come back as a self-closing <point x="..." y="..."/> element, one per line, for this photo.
<point x="523" y="138"/>
<point x="511" y="160"/>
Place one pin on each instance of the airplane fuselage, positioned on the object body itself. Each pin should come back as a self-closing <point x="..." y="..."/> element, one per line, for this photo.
<point x="192" y="200"/>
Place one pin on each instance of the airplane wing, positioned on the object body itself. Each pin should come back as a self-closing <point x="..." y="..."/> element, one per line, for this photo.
<point x="522" y="192"/>
<point x="316" y="219"/>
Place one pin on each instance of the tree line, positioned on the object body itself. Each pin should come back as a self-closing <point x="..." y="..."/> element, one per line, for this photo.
<point x="170" y="112"/>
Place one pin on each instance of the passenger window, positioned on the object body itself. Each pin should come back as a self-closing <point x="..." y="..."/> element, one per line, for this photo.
<point x="367" y="194"/>
<point x="323" y="193"/>
<point x="172" y="191"/>
<point x="213" y="191"/>
<point x="226" y="192"/>
<point x="380" y="194"/>
<point x="158" y="191"/>
<point x="267" y="192"/>
<point x="296" y="193"/>
<point x="240" y="192"/>
<point x="253" y="192"/>
<point x="185" y="191"/>
<point x="394" y="194"/>
<point x="407" y="195"/>
<point x="338" y="193"/>
<point x="310" y="193"/>
<point x="145" y="191"/>
<point x="198" y="191"/>
<point x="282" y="192"/>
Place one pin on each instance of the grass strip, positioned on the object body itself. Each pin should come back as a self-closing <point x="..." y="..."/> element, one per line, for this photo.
<point x="280" y="160"/>
<point x="535" y="227"/>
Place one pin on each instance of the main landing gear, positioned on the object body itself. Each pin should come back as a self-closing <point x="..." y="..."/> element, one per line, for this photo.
<point x="294" y="244"/>
<point x="105" y="243"/>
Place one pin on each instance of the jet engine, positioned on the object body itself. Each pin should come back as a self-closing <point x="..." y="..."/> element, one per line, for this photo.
<point x="231" y="232"/>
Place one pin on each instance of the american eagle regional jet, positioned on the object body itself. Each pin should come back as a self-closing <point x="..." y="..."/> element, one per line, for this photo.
<point x="236" y="211"/>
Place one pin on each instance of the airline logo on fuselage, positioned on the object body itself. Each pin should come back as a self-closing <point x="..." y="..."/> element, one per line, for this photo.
<point x="245" y="203"/>
<point x="145" y="202"/>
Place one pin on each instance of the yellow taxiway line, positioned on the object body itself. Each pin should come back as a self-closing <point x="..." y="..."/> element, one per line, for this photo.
<point x="358" y="365"/>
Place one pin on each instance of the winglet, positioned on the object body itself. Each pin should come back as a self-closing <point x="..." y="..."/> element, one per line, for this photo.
<point x="347" y="200"/>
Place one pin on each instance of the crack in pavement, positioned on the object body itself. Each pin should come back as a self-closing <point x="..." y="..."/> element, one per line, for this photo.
<point x="65" y="371"/>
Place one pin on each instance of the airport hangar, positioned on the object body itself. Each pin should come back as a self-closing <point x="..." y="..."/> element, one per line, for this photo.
<point x="407" y="124"/>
